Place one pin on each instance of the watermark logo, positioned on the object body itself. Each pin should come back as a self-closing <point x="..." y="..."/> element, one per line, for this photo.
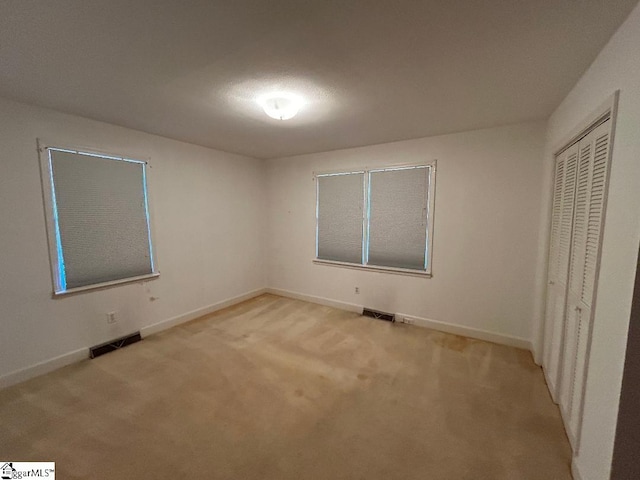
<point x="20" y="470"/>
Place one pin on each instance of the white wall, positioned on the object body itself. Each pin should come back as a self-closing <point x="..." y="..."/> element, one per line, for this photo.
<point x="616" y="67"/>
<point x="487" y="208"/>
<point x="208" y="218"/>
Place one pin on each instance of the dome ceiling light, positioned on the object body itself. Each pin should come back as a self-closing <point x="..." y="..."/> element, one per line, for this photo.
<point x="280" y="105"/>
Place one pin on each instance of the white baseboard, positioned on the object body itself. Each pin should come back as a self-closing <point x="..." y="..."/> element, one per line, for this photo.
<point x="465" y="331"/>
<point x="50" y="365"/>
<point x="575" y="471"/>
<point x="43" y="367"/>
<point x="80" y="354"/>
<point x="420" y="322"/>
<point x="537" y="355"/>
<point x="200" y="312"/>
<point x="550" y="385"/>
<point x="352" y="307"/>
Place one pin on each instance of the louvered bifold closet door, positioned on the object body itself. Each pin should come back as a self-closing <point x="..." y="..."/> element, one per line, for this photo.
<point x="553" y="253"/>
<point x="567" y="165"/>
<point x="585" y="253"/>
<point x="573" y="324"/>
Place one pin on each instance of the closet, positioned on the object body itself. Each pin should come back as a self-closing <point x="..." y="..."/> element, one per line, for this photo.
<point x="579" y="198"/>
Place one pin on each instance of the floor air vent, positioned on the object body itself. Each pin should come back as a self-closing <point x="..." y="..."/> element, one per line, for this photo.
<point x="114" y="345"/>
<point x="389" y="317"/>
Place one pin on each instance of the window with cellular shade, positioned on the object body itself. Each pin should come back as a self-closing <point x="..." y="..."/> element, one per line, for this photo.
<point x="340" y="217"/>
<point x="398" y="215"/>
<point x="100" y="218"/>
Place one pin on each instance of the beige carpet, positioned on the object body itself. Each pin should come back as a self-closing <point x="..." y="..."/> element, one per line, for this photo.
<point x="275" y="388"/>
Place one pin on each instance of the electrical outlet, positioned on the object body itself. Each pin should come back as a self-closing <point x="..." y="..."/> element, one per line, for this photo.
<point x="357" y="290"/>
<point x="112" y="317"/>
<point x="408" y="320"/>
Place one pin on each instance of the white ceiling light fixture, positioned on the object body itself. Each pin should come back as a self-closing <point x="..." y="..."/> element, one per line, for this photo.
<point x="280" y="105"/>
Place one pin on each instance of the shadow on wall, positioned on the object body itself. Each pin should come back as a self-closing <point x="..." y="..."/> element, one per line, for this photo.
<point x="626" y="463"/>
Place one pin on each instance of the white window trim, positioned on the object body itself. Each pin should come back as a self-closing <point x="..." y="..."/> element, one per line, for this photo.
<point x="49" y="207"/>
<point x="427" y="273"/>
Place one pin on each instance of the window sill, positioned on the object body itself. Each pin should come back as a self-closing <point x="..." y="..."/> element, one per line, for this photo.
<point x="98" y="286"/>
<point x="373" y="268"/>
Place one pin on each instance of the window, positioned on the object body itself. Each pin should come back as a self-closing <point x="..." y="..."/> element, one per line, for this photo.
<point x="376" y="218"/>
<point x="97" y="219"/>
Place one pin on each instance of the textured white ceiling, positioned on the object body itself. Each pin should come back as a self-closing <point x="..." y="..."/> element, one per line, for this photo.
<point x="371" y="71"/>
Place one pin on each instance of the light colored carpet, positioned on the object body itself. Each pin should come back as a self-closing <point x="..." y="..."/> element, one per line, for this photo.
<point x="275" y="388"/>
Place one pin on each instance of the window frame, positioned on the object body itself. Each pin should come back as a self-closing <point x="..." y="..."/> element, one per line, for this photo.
<point x="50" y="209"/>
<point x="427" y="272"/>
